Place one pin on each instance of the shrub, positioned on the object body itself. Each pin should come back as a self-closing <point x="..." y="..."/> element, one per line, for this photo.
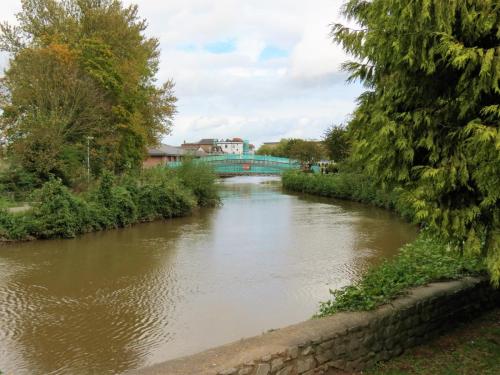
<point x="5" y="223"/>
<point x="18" y="182"/>
<point x="57" y="212"/>
<point x="201" y="180"/>
<point x="158" y="193"/>
<point x="104" y="194"/>
<point x="122" y="208"/>
<point x="347" y="185"/>
<point x="341" y="185"/>
<point x="114" y="202"/>
<point x="113" y="206"/>
<point x="164" y="200"/>
<point x="180" y="201"/>
<point x="12" y="226"/>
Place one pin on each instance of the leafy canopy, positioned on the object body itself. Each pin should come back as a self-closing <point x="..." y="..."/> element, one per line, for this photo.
<point x="429" y="120"/>
<point x="78" y="69"/>
<point x="295" y="148"/>
<point x="337" y="143"/>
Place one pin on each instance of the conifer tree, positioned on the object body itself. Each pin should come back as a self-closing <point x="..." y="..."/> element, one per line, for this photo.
<point x="429" y="120"/>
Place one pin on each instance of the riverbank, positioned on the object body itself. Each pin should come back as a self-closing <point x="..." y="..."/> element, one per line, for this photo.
<point x="346" y="341"/>
<point x="115" y="202"/>
<point x="427" y="259"/>
<point x="351" y="186"/>
<point x="183" y="286"/>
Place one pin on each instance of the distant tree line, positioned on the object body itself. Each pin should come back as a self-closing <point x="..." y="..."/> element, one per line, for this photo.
<point x="335" y="146"/>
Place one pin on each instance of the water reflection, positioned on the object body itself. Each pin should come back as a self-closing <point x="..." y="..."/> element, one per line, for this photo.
<point x="114" y="301"/>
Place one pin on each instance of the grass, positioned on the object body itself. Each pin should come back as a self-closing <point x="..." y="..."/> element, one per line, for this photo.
<point x="473" y="348"/>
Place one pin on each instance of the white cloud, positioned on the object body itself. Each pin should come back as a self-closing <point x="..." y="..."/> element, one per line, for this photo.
<point x="238" y="94"/>
<point x="315" y="55"/>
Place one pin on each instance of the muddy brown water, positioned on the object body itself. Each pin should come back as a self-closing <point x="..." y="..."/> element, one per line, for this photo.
<point x="114" y="301"/>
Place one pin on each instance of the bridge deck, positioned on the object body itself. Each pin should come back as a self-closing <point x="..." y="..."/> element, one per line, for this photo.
<point x="244" y="165"/>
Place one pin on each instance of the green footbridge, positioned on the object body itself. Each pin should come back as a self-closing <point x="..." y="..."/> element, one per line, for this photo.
<point x="246" y="165"/>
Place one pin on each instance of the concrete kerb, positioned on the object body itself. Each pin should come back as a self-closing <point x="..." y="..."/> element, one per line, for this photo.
<point x="350" y="340"/>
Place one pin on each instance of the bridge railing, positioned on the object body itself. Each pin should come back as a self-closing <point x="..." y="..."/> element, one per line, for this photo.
<point x="243" y="159"/>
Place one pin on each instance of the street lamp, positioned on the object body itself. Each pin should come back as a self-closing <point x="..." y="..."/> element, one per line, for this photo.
<point x="89" y="138"/>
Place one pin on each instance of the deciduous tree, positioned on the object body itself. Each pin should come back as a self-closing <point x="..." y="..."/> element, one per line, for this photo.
<point x="295" y="148"/>
<point x="337" y="143"/>
<point x="82" y="68"/>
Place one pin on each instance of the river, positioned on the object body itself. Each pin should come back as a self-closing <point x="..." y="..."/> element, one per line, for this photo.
<point x="109" y="302"/>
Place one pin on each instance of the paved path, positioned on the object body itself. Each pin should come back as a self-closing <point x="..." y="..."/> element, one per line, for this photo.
<point x="19" y="209"/>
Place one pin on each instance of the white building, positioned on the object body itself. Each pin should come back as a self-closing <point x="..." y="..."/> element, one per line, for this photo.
<point x="233" y="146"/>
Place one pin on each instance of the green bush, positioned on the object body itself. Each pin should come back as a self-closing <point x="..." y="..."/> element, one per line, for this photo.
<point x="57" y="213"/>
<point x="159" y="194"/>
<point x="114" y="202"/>
<point x="201" y="180"/>
<point x="13" y="226"/>
<point x="5" y="223"/>
<point x="164" y="200"/>
<point x="427" y="259"/>
<point x="343" y="185"/>
<point x="347" y="185"/>
<point x="117" y="206"/>
<point x="123" y="208"/>
<point x="17" y="182"/>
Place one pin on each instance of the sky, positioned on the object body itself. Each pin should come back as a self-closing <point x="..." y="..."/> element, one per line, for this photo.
<point x="260" y="70"/>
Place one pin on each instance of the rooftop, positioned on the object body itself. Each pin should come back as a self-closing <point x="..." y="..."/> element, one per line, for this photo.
<point x="166" y="150"/>
<point x="207" y="141"/>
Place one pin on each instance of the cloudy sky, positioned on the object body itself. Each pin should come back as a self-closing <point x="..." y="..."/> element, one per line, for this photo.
<point x="257" y="69"/>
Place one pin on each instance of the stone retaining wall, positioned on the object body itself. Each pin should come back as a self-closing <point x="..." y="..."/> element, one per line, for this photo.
<point x="347" y="341"/>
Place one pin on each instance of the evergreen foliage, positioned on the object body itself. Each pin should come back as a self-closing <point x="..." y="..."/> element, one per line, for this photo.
<point x="429" y="121"/>
<point x="295" y="148"/>
<point x="79" y="69"/>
